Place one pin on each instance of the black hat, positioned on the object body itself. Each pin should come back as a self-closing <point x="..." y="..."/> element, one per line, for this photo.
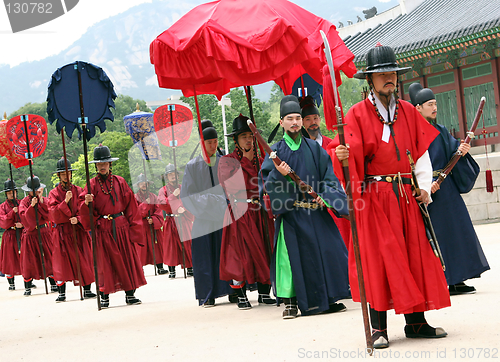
<point x="102" y="154"/>
<point x="142" y="178"/>
<point x="308" y="106"/>
<point x="381" y="59"/>
<point x="33" y="184"/>
<point x="240" y="125"/>
<point x="419" y="95"/>
<point x="209" y="133"/>
<point x="206" y="123"/>
<point x="60" y="167"/>
<point x="289" y="104"/>
<point x="169" y="169"/>
<point x="9" y="185"/>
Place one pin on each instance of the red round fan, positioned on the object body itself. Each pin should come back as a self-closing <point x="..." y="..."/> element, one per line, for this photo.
<point x="37" y="135"/>
<point x="182" y="120"/>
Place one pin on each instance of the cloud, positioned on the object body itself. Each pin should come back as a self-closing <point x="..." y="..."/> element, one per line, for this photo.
<point x="35" y="84"/>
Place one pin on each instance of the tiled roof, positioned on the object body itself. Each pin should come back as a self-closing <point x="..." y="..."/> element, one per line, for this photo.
<point x="432" y="22"/>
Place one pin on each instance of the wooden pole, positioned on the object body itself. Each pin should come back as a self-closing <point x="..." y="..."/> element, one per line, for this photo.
<point x="24" y="118"/>
<point x="171" y="108"/>
<point x="75" y="237"/>
<point x="151" y="228"/>
<point x="83" y="121"/>
<point x="263" y="212"/>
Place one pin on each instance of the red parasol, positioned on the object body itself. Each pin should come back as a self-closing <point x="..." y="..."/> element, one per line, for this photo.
<point x="230" y="43"/>
<point x="226" y="44"/>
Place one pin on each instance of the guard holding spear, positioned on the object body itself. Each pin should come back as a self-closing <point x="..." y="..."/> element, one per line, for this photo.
<point x="177" y="249"/>
<point x="36" y="242"/>
<point x="118" y="226"/>
<point x="152" y="219"/>
<point x="72" y="253"/>
<point x="11" y="238"/>
<point x="245" y="253"/>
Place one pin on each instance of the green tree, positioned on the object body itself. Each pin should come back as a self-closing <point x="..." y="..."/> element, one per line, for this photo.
<point x="351" y="91"/>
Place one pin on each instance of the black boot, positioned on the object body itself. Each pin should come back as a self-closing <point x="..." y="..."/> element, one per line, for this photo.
<point x="53" y="285"/>
<point x="27" y="288"/>
<point x="104" y="300"/>
<point x="11" y="283"/>
<point x="291" y="309"/>
<point x="130" y="299"/>
<point x="190" y="272"/>
<point x="264" y="297"/>
<point x="160" y="269"/>
<point x="417" y="327"/>
<point x="380" y="339"/>
<point x="87" y="294"/>
<point x="243" y="302"/>
<point x="171" y="269"/>
<point x="461" y="288"/>
<point x="62" y="293"/>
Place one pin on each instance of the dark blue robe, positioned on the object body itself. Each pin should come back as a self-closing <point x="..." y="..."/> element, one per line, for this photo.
<point x="317" y="253"/>
<point x="462" y="252"/>
<point x="203" y="196"/>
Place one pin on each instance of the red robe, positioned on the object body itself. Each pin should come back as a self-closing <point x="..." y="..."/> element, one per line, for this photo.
<point x="244" y="253"/>
<point x="172" y="254"/>
<point x="145" y="210"/>
<point x="118" y="262"/>
<point x="342" y="224"/>
<point x="31" y="263"/>
<point x="400" y="269"/>
<point x="64" y="259"/>
<point x="9" y="252"/>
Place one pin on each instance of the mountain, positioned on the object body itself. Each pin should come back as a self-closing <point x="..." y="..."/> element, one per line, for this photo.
<point x="120" y="45"/>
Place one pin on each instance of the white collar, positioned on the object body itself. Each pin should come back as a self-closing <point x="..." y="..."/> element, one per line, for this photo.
<point x="381" y="107"/>
<point x="319" y="139"/>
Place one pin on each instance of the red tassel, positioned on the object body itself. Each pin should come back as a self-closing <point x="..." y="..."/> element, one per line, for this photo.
<point x="489" y="181"/>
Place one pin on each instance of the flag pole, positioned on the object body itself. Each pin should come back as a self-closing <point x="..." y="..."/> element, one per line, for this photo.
<point x="24" y="118"/>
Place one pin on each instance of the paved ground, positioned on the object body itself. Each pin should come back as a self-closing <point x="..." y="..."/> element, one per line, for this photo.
<point x="170" y="326"/>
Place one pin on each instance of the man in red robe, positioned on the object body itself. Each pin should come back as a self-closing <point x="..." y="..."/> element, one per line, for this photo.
<point x="400" y="269"/>
<point x="118" y="225"/>
<point x="177" y="249"/>
<point x="31" y="260"/>
<point x="311" y="120"/>
<point x="71" y="258"/>
<point x="152" y="220"/>
<point x="11" y="238"/>
<point x="246" y="249"/>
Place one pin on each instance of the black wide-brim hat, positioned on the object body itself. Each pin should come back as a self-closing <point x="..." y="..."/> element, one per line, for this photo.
<point x="60" y="167"/>
<point x="381" y="59"/>
<point x="9" y="185"/>
<point x="103" y="154"/>
<point x="33" y="185"/>
<point x="240" y="125"/>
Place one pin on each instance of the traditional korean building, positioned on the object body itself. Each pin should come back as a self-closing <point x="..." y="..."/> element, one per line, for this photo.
<point x="453" y="47"/>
